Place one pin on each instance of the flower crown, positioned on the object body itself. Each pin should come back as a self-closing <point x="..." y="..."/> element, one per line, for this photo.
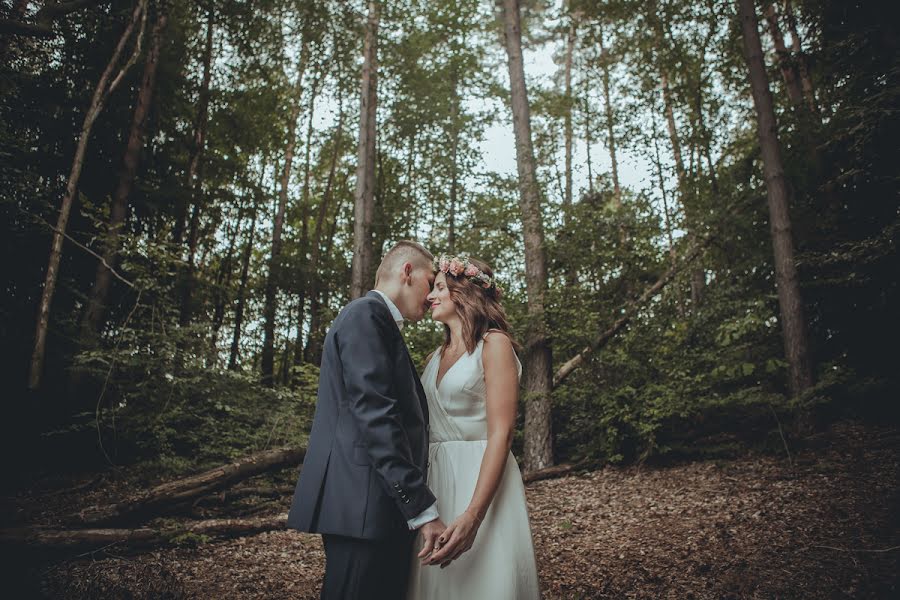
<point x="460" y="266"/>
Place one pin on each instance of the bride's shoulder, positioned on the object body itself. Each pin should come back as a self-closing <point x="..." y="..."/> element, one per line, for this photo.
<point x="496" y="343"/>
<point x="499" y="352"/>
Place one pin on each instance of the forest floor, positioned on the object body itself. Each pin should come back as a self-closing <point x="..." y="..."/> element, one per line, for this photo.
<point x="825" y="525"/>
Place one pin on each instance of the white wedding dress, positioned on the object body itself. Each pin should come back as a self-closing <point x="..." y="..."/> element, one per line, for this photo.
<point x="501" y="564"/>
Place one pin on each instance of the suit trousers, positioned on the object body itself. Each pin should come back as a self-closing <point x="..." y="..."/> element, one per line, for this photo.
<point x="358" y="569"/>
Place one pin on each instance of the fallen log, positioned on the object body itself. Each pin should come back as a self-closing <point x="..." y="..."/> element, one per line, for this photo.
<point x="627" y="313"/>
<point x="54" y="540"/>
<point x="553" y="472"/>
<point x="157" y="500"/>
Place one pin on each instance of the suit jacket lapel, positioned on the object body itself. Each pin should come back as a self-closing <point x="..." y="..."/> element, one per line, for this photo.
<point x="420" y="391"/>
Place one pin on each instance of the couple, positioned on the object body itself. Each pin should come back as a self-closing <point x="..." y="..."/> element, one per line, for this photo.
<point x="411" y="483"/>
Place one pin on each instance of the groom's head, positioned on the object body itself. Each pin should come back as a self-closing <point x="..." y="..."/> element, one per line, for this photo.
<point x="405" y="275"/>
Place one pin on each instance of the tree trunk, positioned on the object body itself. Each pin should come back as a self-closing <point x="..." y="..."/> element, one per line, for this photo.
<point x="788" y="72"/>
<point x="361" y="278"/>
<point x="809" y="91"/>
<point x="223" y="280"/>
<point x="567" y="124"/>
<point x="158" y="500"/>
<point x="698" y="276"/>
<point x="270" y="306"/>
<point x="588" y="141"/>
<point x="199" y="139"/>
<point x="662" y="189"/>
<point x="604" y="60"/>
<point x="193" y="181"/>
<point x="92" y="321"/>
<point x="673" y="132"/>
<point x="796" y="345"/>
<point x="306" y="274"/>
<point x="242" y="288"/>
<point x="314" y="341"/>
<point x="101" y="94"/>
<point x="70" y="540"/>
<point x="538" y="432"/>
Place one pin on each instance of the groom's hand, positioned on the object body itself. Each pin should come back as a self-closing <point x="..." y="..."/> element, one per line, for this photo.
<point x="430" y="533"/>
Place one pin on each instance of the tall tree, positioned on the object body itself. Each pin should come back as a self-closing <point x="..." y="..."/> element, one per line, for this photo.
<point x="314" y="340"/>
<point x="610" y="119"/>
<point x="571" y="40"/>
<point x="793" y="323"/>
<point x="241" y="300"/>
<point x="92" y="320"/>
<point x="193" y="183"/>
<point x="538" y="375"/>
<point x="785" y="64"/>
<point x="105" y="86"/>
<point x="361" y="277"/>
<point x="270" y="306"/>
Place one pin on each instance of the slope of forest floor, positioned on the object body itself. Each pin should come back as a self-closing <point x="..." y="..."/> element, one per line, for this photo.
<point x="822" y="526"/>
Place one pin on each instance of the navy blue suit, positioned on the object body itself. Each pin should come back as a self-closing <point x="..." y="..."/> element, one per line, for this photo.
<point x="366" y="462"/>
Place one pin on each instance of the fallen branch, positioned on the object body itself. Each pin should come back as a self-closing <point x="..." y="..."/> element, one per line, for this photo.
<point x="155" y="501"/>
<point x="629" y="311"/>
<point x="550" y="472"/>
<point x="134" y="539"/>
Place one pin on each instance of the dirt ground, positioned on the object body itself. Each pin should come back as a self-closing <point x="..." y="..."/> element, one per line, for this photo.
<point x="825" y="525"/>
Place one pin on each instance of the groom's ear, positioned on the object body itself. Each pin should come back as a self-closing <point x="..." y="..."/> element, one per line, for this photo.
<point x="407" y="270"/>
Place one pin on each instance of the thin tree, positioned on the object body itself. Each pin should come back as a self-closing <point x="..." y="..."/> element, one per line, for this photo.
<point x="193" y="182"/>
<point x="314" y="341"/>
<point x="571" y="40"/>
<point x="240" y="301"/>
<point x="94" y="314"/>
<point x="785" y="64"/>
<point x="793" y="323"/>
<point x="800" y="57"/>
<point x="105" y="86"/>
<point x="361" y="277"/>
<point x="270" y="306"/>
<point x="304" y="273"/>
<point x="610" y="119"/>
<point x="538" y="375"/>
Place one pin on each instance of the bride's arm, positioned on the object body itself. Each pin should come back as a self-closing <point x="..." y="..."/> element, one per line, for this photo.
<point x="502" y="392"/>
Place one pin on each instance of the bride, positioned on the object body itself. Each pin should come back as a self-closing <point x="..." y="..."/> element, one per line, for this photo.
<point x="472" y="383"/>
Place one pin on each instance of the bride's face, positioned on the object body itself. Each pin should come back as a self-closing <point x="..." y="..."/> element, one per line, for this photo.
<point x="442" y="307"/>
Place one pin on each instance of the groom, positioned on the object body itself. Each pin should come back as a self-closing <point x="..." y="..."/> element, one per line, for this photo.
<point x="362" y="485"/>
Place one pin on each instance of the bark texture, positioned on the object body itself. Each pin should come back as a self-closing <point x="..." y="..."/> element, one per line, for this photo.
<point x="92" y="320"/>
<point x="105" y="86"/>
<point x="788" y="71"/>
<point x="538" y="430"/>
<point x="270" y="305"/>
<point x="793" y="323"/>
<point x="362" y="277"/>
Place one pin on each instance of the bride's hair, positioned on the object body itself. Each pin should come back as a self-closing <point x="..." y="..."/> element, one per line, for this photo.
<point x="479" y="308"/>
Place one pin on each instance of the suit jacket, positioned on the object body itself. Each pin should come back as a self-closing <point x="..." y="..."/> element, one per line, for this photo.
<point x="366" y="461"/>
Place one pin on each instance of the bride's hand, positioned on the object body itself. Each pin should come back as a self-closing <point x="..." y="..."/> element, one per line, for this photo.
<point x="456" y="539"/>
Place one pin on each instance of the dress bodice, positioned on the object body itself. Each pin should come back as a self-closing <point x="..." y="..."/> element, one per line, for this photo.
<point x="456" y="405"/>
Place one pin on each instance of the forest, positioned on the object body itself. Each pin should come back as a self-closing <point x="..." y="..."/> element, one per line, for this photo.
<point x="692" y="208"/>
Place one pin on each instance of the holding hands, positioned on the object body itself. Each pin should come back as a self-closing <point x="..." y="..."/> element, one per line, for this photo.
<point x="451" y="542"/>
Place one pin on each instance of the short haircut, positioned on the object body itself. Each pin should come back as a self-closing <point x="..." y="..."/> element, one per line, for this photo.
<point x="402" y="252"/>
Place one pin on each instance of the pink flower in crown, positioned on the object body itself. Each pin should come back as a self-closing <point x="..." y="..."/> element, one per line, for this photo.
<point x="471" y="270"/>
<point x="444" y="264"/>
<point x="456" y="267"/>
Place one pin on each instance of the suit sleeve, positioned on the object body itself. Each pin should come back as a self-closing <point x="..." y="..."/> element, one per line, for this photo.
<point x="367" y="371"/>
